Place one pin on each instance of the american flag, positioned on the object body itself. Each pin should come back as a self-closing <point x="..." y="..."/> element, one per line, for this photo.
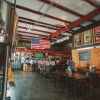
<point x="40" y="43"/>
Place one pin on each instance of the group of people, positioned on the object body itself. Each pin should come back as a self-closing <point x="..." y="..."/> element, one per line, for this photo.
<point x="43" y="64"/>
<point x="49" y="64"/>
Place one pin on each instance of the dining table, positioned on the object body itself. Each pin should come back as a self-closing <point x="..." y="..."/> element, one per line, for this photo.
<point x="78" y="83"/>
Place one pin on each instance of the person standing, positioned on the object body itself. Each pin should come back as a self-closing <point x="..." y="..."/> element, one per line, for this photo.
<point x="47" y="63"/>
<point x="71" y="64"/>
<point x="31" y="64"/>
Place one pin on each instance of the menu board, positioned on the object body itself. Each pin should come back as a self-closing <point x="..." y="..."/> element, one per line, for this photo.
<point x="87" y="37"/>
<point x="78" y="40"/>
<point x="97" y="34"/>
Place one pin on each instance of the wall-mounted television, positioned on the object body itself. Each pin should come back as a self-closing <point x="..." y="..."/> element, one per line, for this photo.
<point x="84" y="55"/>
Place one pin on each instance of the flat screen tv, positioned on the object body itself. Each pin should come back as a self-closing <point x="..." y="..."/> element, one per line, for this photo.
<point x="84" y="56"/>
<point x="38" y="55"/>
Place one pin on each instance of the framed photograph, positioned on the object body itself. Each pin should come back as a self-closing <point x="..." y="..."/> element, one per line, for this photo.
<point x="97" y="34"/>
<point x="87" y="37"/>
<point x="78" y="40"/>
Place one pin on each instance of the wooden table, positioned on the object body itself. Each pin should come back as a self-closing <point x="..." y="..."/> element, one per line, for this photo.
<point x="78" y="76"/>
<point x="78" y="84"/>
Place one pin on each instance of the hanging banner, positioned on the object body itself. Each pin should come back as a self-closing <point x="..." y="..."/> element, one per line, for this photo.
<point x="78" y="40"/>
<point x="87" y="37"/>
<point x="40" y="51"/>
<point x="97" y="34"/>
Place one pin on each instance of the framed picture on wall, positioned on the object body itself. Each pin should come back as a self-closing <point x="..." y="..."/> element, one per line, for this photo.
<point x="97" y="34"/>
<point x="87" y="37"/>
<point x="78" y="40"/>
<point x="84" y="55"/>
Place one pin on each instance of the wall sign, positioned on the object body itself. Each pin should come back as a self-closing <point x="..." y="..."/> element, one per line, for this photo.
<point x="78" y="40"/>
<point x="84" y="55"/>
<point x="87" y="37"/>
<point x="97" y="34"/>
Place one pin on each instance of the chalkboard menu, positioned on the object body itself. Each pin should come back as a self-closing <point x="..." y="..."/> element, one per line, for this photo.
<point x="84" y="55"/>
